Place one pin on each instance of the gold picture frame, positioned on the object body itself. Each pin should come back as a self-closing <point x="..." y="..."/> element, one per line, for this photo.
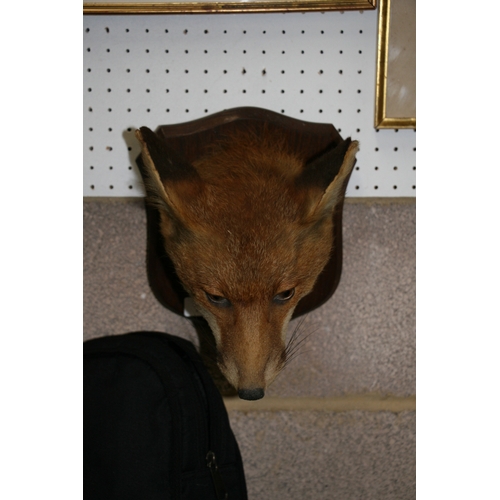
<point x="215" y="7"/>
<point x="395" y="96"/>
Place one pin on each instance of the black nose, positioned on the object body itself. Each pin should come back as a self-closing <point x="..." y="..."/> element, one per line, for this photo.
<point x="251" y="394"/>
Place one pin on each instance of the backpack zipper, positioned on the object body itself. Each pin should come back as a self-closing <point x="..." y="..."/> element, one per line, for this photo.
<point x="220" y="487"/>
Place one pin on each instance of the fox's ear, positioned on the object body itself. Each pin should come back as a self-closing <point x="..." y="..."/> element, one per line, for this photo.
<point x="168" y="178"/>
<point x="325" y="178"/>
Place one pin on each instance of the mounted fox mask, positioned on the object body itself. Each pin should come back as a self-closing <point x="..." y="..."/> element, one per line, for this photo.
<point x="248" y="228"/>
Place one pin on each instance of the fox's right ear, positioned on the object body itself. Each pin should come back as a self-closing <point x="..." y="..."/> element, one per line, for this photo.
<point x="168" y="178"/>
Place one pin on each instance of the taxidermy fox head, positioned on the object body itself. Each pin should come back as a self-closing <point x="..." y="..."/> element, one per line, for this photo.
<point x="248" y="228"/>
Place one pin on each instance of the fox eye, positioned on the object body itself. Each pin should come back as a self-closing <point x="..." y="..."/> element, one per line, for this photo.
<point x="284" y="296"/>
<point x="218" y="300"/>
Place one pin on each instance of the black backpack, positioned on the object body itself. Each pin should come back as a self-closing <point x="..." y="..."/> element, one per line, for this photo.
<point x="155" y="425"/>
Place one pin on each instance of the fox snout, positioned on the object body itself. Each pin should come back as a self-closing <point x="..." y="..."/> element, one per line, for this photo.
<point x="250" y="345"/>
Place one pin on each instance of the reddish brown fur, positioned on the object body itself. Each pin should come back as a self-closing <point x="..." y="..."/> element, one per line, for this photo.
<point x="245" y="231"/>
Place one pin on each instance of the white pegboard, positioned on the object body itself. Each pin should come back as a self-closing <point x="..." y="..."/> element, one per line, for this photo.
<point x="151" y="70"/>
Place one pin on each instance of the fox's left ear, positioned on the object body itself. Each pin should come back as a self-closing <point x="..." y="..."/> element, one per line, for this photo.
<point x="326" y="177"/>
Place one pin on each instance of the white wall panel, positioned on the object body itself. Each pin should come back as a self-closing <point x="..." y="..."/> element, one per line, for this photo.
<point x="162" y="69"/>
